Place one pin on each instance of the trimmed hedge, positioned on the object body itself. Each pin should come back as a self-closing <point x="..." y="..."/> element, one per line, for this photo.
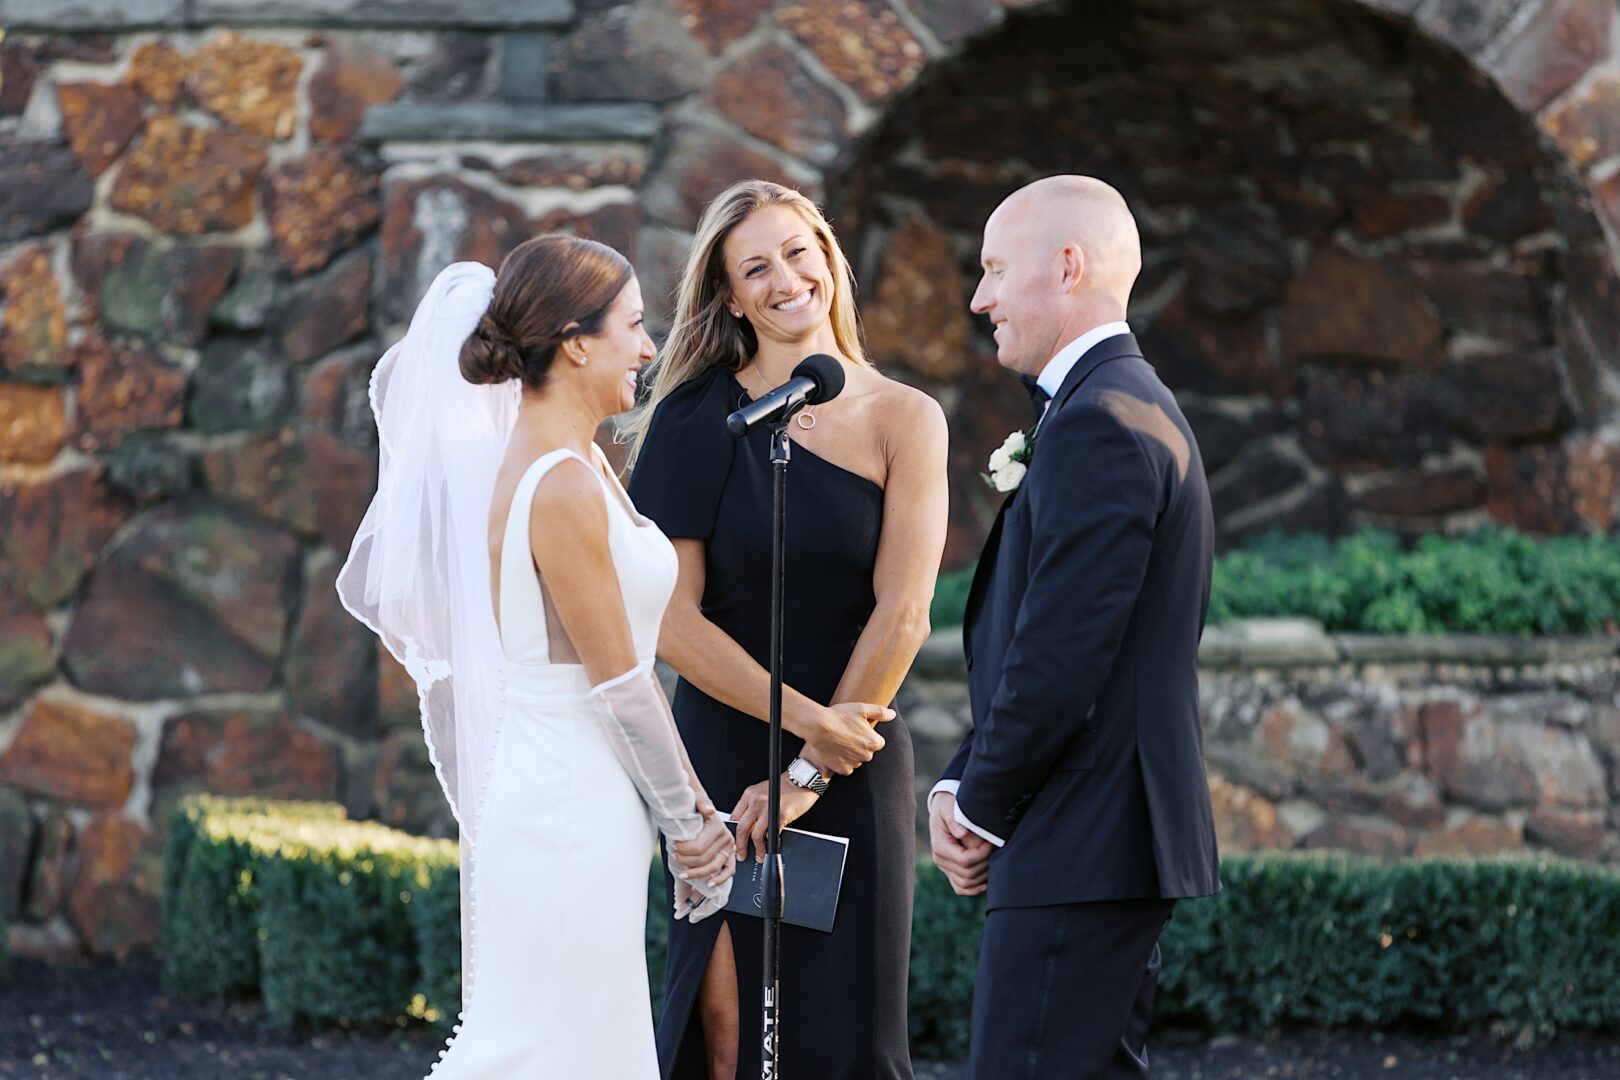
<point x="210" y="899"/>
<point x="945" y="933"/>
<point x="1327" y="939"/>
<point x="323" y="917"/>
<point x="1519" y="942"/>
<point x="435" y="913"/>
<point x="5" y="946"/>
<point x="352" y="921"/>
<point x="309" y="909"/>
<point x="335" y="934"/>
<point x="950" y="596"/>
<point x="1495" y="581"/>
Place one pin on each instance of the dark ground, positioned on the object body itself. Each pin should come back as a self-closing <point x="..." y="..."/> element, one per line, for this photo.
<point x="115" y="1023"/>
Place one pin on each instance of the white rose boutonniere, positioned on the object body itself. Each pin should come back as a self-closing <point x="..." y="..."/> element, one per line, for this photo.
<point x="1009" y="462"/>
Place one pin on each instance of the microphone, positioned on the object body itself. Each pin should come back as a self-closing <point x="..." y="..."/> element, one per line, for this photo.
<point x="816" y="379"/>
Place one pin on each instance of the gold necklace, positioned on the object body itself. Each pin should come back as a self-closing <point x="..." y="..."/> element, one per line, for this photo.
<point x="805" y="418"/>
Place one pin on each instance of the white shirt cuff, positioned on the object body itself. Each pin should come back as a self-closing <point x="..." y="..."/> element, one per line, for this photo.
<point x="953" y="786"/>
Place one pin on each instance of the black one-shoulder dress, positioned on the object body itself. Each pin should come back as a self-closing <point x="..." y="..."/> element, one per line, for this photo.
<point x="843" y="1012"/>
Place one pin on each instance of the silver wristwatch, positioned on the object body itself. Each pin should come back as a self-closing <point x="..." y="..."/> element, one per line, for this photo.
<point x="801" y="773"/>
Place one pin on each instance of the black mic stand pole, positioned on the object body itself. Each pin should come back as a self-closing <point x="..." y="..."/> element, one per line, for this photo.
<point x="775" y="887"/>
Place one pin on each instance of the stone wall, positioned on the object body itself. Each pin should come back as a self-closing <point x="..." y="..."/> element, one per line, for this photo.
<point x="1376" y="284"/>
<point x="215" y="214"/>
<point x="1385" y="746"/>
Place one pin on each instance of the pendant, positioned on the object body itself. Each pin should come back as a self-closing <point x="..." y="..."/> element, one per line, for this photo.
<point x="806" y="420"/>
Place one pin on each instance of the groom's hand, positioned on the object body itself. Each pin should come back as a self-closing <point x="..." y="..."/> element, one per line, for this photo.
<point x="963" y="855"/>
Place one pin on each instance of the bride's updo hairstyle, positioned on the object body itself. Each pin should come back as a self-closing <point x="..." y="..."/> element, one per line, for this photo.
<point x="548" y="290"/>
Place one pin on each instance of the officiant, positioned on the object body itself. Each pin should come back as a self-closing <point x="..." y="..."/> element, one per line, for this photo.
<point x="766" y="285"/>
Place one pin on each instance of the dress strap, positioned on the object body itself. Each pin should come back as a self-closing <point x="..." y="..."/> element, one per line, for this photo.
<point x="616" y="491"/>
<point x="524" y="634"/>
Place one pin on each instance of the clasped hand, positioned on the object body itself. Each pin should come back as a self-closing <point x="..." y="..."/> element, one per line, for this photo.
<point x="751" y="814"/>
<point x="706" y="858"/>
<point x="845" y="740"/>
<point x="961" y="853"/>
<point x="845" y="736"/>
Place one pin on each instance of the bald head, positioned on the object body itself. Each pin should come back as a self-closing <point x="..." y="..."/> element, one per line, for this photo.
<point x="1087" y="213"/>
<point x="1060" y="257"/>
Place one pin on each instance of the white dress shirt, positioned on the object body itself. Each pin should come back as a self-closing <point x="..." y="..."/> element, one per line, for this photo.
<point x="1051" y="380"/>
<point x="1057" y="369"/>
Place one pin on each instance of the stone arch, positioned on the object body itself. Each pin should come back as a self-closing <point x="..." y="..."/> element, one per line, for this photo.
<point x="1496" y="121"/>
<point x="1381" y="243"/>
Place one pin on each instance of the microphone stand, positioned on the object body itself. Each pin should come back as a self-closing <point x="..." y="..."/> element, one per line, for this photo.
<point x="775" y="887"/>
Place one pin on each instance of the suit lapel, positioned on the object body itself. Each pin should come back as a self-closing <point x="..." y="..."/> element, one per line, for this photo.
<point x="981" y="572"/>
<point x="1110" y="349"/>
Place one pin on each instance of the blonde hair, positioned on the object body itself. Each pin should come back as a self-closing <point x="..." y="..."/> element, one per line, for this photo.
<point x="704" y="335"/>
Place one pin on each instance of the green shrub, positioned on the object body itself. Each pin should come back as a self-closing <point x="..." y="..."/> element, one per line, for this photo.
<point x="950" y="596"/>
<point x="5" y="946"/>
<point x="1323" y="939"/>
<point x="356" y="922"/>
<point x="1328" y="939"/>
<point x="435" y="915"/>
<point x="210" y="904"/>
<point x="1495" y="581"/>
<point x="335" y="935"/>
<point x="658" y="905"/>
<point x="945" y="933"/>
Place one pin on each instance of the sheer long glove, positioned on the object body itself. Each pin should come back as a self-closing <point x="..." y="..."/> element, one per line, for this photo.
<point x="641" y="730"/>
<point x="696" y="900"/>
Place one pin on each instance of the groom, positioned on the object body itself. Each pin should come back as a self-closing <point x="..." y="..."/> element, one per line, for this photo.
<point x="1079" y="797"/>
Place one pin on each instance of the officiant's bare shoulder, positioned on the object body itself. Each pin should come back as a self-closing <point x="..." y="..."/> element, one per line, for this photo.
<point x="891" y="419"/>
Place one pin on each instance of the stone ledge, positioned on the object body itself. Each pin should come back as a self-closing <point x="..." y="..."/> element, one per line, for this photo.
<point x="76" y="15"/>
<point x="1278" y="643"/>
<point x="91" y="15"/>
<point x="1290" y="643"/>
<point x="1473" y="649"/>
<point x="502" y="122"/>
<point x="437" y="14"/>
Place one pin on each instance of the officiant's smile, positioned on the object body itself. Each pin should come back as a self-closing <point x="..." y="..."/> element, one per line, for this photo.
<point x="780" y="280"/>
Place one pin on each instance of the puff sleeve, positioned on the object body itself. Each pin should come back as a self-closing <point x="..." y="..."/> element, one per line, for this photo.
<point x="686" y="458"/>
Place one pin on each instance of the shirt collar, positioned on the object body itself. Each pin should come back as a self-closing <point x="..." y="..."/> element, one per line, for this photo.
<point x="1057" y="369"/>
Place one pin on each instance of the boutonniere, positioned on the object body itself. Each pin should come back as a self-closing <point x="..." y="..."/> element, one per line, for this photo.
<point x="1009" y="462"/>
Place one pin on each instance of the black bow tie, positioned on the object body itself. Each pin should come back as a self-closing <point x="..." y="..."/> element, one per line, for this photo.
<point x="1038" y="397"/>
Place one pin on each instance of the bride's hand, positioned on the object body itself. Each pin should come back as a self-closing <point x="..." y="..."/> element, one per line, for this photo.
<point x="708" y="856"/>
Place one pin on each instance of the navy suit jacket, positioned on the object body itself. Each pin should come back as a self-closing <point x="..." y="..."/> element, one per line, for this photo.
<point x="1086" y="752"/>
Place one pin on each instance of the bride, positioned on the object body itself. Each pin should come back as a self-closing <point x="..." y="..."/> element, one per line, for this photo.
<point x="505" y="567"/>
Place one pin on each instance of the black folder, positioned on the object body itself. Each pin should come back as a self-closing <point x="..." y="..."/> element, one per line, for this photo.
<point x="812" y="875"/>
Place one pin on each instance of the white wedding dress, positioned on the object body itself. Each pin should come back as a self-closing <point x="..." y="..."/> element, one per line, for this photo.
<point x="560" y="897"/>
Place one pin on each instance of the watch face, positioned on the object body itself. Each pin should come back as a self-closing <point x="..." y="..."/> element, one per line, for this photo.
<point x="804" y="774"/>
